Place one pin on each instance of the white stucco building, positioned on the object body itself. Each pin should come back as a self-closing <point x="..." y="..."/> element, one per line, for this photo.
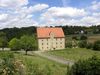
<point x="50" y="38"/>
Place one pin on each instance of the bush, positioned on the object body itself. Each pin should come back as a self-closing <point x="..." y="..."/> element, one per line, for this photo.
<point x="90" y="66"/>
<point x="9" y="65"/>
<point x="96" y="45"/>
<point x="75" y="38"/>
<point x="89" y="46"/>
<point x="83" y="37"/>
<point x="69" y="44"/>
<point x="82" y="44"/>
<point x="6" y="63"/>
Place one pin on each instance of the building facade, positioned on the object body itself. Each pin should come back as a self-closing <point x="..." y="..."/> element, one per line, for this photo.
<point x="50" y="38"/>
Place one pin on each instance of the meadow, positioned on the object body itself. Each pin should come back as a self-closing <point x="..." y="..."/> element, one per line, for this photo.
<point x="91" y="38"/>
<point x="75" y="54"/>
<point x="36" y="65"/>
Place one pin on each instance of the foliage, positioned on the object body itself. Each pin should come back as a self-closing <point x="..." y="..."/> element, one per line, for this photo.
<point x="9" y="65"/>
<point x="74" y="37"/>
<point x="83" y="37"/>
<point x="6" y="63"/>
<point x="82" y="44"/>
<point x="3" y="40"/>
<point x="68" y="44"/>
<point x="68" y="30"/>
<point x="89" y="45"/>
<point x="28" y="43"/>
<point x="15" y="44"/>
<point x="90" y="66"/>
<point x="96" y="45"/>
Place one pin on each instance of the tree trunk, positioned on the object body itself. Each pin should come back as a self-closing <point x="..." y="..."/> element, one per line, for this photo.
<point x="26" y="52"/>
<point x="3" y="48"/>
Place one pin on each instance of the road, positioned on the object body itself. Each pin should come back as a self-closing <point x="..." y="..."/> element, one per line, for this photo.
<point x="54" y="58"/>
<point x="50" y="57"/>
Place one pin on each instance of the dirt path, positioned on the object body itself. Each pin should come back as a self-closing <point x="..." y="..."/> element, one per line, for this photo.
<point x="54" y="58"/>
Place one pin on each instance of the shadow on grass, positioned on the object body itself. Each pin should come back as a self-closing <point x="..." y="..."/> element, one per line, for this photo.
<point x="23" y="53"/>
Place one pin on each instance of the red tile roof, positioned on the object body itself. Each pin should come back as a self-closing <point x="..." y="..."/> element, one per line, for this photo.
<point x="44" y="32"/>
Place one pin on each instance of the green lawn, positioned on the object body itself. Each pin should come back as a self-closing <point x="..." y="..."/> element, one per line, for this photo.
<point x="43" y="64"/>
<point x="75" y="53"/>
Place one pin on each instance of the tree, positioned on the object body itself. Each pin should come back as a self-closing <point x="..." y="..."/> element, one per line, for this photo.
<point x="96" y="45"/>
<point x="75" y="38"/>
<point x="28" y="43"/>
<point x="3" y="40"/>
<point x="82" y="44"/>
<point x="15" y="44"/>
<point x="90" y="66"/>
<point x="83" y="37"/>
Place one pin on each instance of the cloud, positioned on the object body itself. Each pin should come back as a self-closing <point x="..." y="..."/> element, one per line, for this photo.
<point x="3" y="17"/>
<point x="95" y="5"/>
<point x="64" y="12"/>
<point x="20" y="17"/>
<point x="62" y="16"/>
<point x="13" y="3"/>
<point x="19" y="13"/>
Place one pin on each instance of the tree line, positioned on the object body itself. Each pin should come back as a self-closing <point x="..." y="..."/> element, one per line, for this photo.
<point x="68" y="30"/>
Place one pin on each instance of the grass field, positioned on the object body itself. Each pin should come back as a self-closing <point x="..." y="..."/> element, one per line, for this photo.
<point x="44" y="65"/>
<point x="75" y="54"/>
<point x="91" y="38"/>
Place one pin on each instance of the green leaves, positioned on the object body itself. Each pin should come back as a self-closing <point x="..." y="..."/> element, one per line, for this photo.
<point x="15" y="44"/>
<point x="90" y="66"/>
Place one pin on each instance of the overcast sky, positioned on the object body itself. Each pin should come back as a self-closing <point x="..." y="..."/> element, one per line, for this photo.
<point x="24" y="13"/>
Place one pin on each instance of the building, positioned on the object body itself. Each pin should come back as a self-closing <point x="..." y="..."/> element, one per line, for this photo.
<point x="50" y="38"/>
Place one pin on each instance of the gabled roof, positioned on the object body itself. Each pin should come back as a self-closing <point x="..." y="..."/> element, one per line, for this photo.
<point x="44" y="32"/>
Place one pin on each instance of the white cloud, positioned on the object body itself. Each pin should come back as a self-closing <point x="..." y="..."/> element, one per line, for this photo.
<point x="21" y="17"/>
<point x="64" y="12"/>
<point x="62" y="16"/>
<point x="17" y="13"/>
<point x="95" y="5"/>
<point x="3" y="17"/>
<point x="13" y="3"/>
<point x="90" y="20"/>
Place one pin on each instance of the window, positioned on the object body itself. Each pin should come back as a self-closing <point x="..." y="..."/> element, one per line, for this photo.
<point x="42" y="43"/>
<point x="60" y="42"/>
<point x="47" y="43"/>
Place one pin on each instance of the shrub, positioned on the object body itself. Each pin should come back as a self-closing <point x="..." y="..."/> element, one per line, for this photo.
<point x="89" y="45"/>
<point x="75" y="38"/>
<point x="96" y="45"/>
<point x="69" y="44"/>
<point x="6" y="63"/>
<point x="90" y="66"/>
<point x="9" y="65"/>
<point x="83" y="37"/>
<point x="82" y="44"/>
